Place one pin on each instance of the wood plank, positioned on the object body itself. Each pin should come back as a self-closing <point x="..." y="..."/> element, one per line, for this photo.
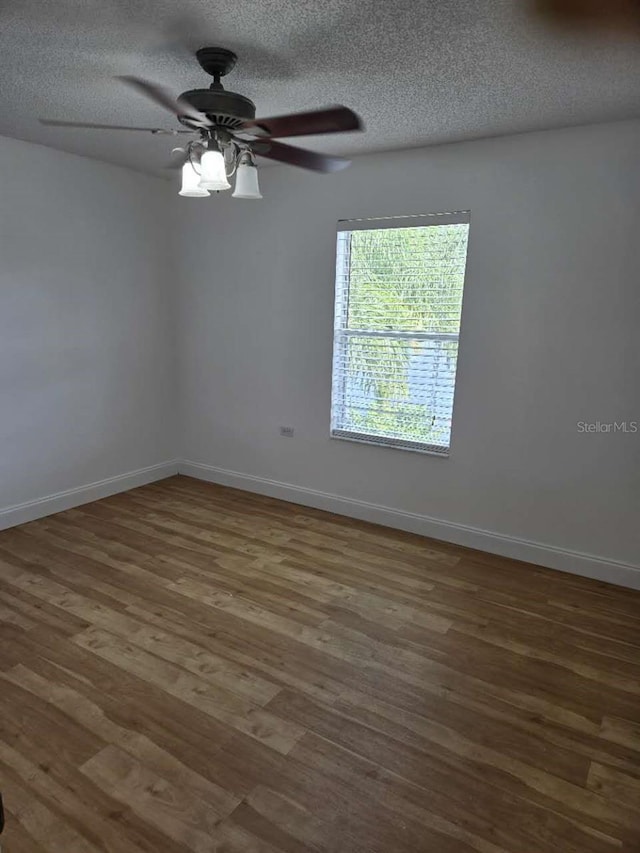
<point x="624" y="732"/>
<point x="218" y="703"/>
<point x="180" y="814"/>
<point x="91" y="717"/>
<point x="399" y="737"/>
<point x="615" y="786"/>
<point x="51" y="832"/>
<point x="453" y="805"/>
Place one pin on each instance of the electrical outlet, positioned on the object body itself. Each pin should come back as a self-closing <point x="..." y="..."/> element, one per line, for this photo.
<point x="286" y="431"/>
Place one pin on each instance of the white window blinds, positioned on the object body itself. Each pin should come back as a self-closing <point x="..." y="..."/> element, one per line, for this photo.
<point x="399" y="285"/>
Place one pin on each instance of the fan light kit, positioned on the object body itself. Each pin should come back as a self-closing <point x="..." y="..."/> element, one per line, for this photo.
<point x="210" y="164"/>
<point x="228" y="135"/>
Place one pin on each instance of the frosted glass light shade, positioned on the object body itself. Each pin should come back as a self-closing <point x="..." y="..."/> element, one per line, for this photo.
<point x="213" y="174"/>
<point x="247" y="182"/>
<point x="191" y="183"/>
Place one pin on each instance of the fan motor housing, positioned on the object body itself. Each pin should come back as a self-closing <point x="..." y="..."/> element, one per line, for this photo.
<point x="223" y="108"/>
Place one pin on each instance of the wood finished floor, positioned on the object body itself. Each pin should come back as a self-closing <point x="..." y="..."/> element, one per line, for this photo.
<point x="186" y="667"/>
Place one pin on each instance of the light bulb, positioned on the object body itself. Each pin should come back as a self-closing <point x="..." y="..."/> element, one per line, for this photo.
<point x="247" y="180"/>
<point x="213" y="174"/>
<point x="191" y="182"/>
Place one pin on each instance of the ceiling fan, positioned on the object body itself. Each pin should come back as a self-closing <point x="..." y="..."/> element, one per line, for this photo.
<point x="227" y="134"/>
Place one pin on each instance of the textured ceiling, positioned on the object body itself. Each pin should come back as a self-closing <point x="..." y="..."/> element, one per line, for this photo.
<point x="417" y="71"/>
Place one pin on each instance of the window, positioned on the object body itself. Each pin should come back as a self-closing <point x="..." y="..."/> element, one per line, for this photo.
<point x="399" y="286"/>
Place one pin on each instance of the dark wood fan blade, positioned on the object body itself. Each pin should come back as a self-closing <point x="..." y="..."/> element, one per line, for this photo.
<point x="591" y="14"/>
<point x="50" y="122"/>
<point x="299" y="156"/>
<point x="159" y="95"/>
<point x="330" y="120"/>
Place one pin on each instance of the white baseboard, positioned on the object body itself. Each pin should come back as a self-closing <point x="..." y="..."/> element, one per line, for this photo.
<point x="574" y="562"/>
<point x="31" y="510"/>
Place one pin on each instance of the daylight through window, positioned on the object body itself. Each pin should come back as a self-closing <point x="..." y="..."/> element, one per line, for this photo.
<point x="399" y="285"/>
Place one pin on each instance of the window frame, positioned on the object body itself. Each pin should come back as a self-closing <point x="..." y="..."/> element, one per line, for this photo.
<point x="341" y="334"/>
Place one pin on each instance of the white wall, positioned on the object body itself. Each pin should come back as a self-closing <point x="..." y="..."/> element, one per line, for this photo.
<point x="550" y="337"/>
<point x="87" y="367"/>
<point x="90" y="303"/>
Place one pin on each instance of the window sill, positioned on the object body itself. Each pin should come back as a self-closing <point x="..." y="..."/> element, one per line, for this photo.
<point x="390" y="443"/>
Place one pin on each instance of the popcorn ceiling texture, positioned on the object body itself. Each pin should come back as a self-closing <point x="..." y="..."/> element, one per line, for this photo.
<point x="417" y="72"/>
